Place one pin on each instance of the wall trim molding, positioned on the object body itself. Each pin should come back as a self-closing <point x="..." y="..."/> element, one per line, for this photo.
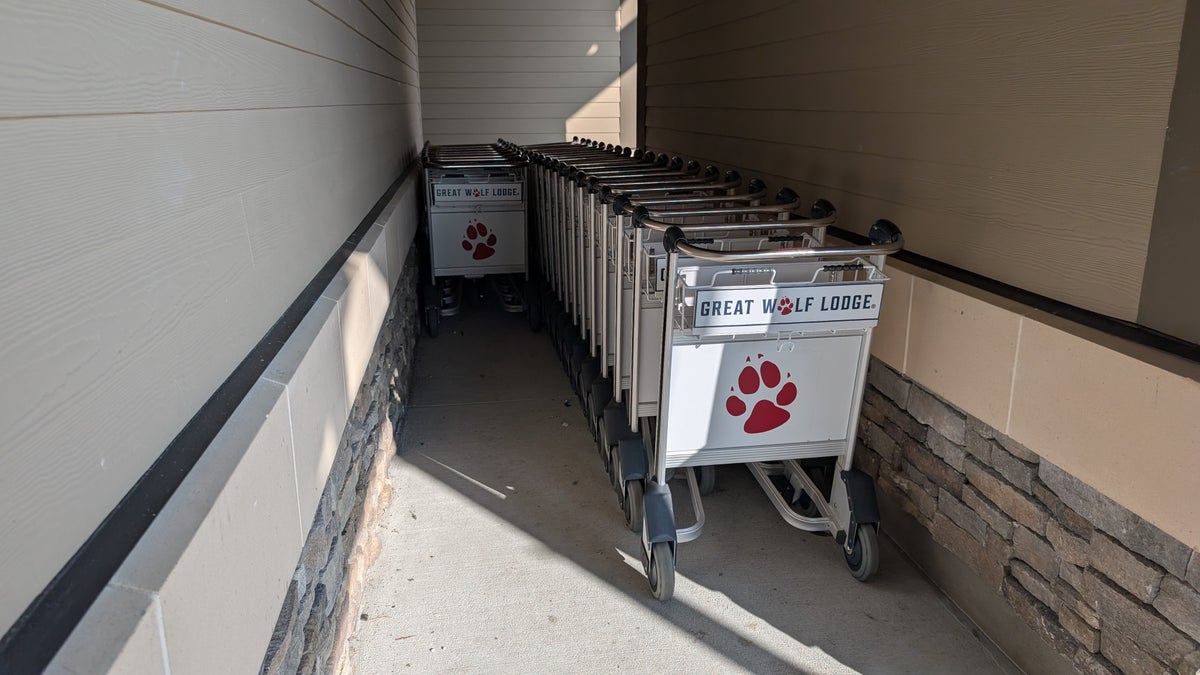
<point x="1118" y="328"/>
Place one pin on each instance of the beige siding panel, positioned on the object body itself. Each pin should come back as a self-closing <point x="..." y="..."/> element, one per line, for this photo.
<point x="523" y="139"/>
<point x="988" y="222"/>
<point x="1019" y="140"/>
<point x="524" y="71"/>
<point x="501" y="111"/>
<point x="358" y="17"/>
<point x="502" y="95"/>
<point x="702" y="15"/>
<point x="497" y="49"/>
<point x="301" y="25"/>
<point x="512" y="15"/>
<point x="563" y="64"/>
<point x="774" y="41"/>
<point x="164" y="61"/>
<point x="524" y="5"/>
<point x="519" y="33"/>
<point x="598" y="81"/>
<point x="659" y="10"/>
<point x="523" y="126"/>
<point x="1032" y="144"/>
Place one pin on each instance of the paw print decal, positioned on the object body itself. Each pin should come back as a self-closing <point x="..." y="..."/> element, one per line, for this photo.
<point x="785" y="306"/>
<point x="477" y="240"/>
<point x="768" y="412"/>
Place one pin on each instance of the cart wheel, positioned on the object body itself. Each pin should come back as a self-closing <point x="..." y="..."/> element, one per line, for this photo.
<point x="614" y="469"/>
<point x="634" y="505"/>
<point x="662" y="571"/>
<point x="863" y="560"/>
<point x="806" y="506"/>
<point x="707" y="477"/>
<point x="433" y="320"/>
<point x="603" y="446"/>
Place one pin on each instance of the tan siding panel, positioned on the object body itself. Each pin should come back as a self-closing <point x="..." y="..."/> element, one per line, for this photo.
<point x="521" y="126"/>
<point x="491" y="95"/>
<point x="963" y="217"/>
<point x="524" y="139"/>
<point x="517" y="17"/>
<point x="164" y="61"/>
<point x="1019" y="140"/>
<point x="559" y="64"/>
<point x="704" y="15"/>
<point x="359" y="18"/>
<point x="472" y="33"/>
<point x="598" y="80"/>
<point x="300" y="25"/>
<point x="522" y="5"/>
<point x="495" y="48"/>
<point x="504" y="111"/>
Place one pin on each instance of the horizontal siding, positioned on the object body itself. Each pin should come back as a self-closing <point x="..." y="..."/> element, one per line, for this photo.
<point x="506" y="95"/>
<point x="1021" y="140"/>
<point x="513" y="14"/>
<point x="175" y="173"/>
<point x="530" y="71"/>
<point x="499" y="49"/>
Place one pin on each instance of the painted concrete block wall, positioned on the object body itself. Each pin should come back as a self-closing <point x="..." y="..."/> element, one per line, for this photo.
<point x="217" y="562"/>
<point x="1019" y="140"/>
<point x="173" y="175"/>
<point x="530" y="71"/>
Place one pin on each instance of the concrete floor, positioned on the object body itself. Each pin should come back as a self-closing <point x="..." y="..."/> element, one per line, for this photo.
<point x="505" y="551"/>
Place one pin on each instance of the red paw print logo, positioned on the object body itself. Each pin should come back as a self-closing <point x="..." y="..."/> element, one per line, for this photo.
<point x="479" y="241"/>
<point x="768" y="412"/>
<point x="785" y="306"/>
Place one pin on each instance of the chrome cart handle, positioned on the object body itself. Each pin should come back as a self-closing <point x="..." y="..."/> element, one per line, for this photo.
<point x="885" y="237"/>
<point x="823" y="214"/>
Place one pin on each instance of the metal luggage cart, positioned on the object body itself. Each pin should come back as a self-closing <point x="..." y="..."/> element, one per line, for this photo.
<point x="764" y="357"/>
<point x="629" y="428"/>
<point x="476" y="225"/>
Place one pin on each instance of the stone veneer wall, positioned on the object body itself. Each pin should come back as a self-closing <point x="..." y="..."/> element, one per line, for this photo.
<point x="322" y="602"/>
<point x="1103" y="587"/>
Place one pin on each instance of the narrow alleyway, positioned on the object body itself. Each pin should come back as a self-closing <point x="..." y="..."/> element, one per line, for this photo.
<point x="504" y="550"/>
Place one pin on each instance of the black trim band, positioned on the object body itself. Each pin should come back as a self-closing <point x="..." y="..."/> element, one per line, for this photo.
<point x="1126" y="330"/>
<point x="31" y="643"/>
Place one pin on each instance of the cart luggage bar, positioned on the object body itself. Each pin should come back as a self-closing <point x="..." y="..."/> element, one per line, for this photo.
<point x="885" y="237"/>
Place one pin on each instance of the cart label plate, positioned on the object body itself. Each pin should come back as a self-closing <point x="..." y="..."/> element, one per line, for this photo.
<point x="783" y="305"/>
<point x="469" y="194"/>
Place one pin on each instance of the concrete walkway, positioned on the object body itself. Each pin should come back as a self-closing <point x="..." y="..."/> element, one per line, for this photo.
<point x="504" y="550"/>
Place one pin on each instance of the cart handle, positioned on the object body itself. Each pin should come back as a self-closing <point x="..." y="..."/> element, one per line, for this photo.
<point x="885" y="237"/>
<point x="823" y="213"/>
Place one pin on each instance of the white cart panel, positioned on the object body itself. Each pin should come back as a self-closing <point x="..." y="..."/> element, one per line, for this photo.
<point x="470" y="243"/>
<point x="759" y="393"/>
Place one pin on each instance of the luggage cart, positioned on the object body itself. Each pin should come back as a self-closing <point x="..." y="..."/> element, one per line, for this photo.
<point x="628" y="430"/>
<point x="764" y="358"/>
<point x="476" y="225"/>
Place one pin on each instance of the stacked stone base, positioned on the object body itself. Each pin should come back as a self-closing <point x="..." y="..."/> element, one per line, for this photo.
<point x="322" y="602"/>
<point x="1104" y="588"/>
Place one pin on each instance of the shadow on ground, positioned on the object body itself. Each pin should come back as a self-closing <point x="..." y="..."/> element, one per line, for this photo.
<point x="505" y="550"/>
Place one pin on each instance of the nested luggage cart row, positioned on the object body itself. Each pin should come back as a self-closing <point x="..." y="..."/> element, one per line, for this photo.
<point x="705" y="321"/>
